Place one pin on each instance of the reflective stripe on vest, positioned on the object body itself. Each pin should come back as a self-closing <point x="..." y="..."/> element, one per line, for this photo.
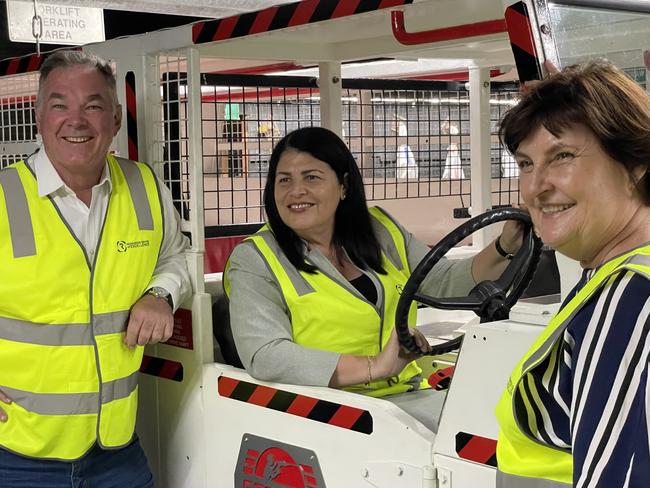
<point x="307" y="296"/>
<point x="72" y="379"/>
<point x="73" y="403"/>
<point x="62" y="334"/>
<point x="522" y="459"/>
<point x="20" y="223"/>
<point x="513" y="481"/>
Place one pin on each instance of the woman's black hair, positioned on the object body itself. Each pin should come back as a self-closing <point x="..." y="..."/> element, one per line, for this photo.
<point x="352" y="222"/>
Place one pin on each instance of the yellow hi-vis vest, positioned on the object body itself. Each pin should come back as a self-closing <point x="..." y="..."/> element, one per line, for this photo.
<point x="63" y="314"/>
<point x="327" y="316"/>
<point x="524" y="462"/>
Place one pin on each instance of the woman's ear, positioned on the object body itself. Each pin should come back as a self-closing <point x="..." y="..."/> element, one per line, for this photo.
<point x="638" y="175"/>
<point x="344" y="186"/>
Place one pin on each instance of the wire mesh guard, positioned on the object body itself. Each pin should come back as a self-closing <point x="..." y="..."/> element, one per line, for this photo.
<point x="410" y="138"/>
<point x="18" y="136"/>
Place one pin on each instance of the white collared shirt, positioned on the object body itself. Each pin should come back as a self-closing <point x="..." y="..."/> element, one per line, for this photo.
<point x="86" y="223"/>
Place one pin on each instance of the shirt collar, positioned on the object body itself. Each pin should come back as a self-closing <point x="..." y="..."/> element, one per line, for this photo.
<point x="48" y="178"/>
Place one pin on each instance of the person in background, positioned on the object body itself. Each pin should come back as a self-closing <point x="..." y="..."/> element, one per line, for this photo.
<point x="92" y="266"/>
<point x="313" y="294"/>
<point x="406" y="165"/>
<point x="575" y="409"/>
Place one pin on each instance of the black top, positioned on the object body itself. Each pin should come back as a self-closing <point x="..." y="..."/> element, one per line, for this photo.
<point x="366" y="287"/>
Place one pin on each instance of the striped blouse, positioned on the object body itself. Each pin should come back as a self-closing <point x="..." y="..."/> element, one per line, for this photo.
<point x="592" y="393"/>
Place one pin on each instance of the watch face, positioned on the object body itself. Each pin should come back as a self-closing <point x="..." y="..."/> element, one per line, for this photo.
<point x="159" y="292"/>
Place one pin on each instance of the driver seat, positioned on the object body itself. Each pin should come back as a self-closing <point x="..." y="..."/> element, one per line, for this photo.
<point x="223" y="332"/>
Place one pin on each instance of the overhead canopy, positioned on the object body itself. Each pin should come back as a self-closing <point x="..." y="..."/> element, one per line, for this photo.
<point x="196" y="8"/>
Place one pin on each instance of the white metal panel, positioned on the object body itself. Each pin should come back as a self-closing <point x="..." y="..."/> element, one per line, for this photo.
<point x="457" y="473"/>
<point x="347" y="458"/>
<point x="486" y="360"/>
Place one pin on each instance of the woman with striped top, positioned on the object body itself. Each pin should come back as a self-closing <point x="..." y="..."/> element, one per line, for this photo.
<point x="575" y="410"/>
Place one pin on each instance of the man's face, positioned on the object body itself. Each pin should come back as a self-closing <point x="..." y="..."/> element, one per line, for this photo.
<point x="77" y="119"/>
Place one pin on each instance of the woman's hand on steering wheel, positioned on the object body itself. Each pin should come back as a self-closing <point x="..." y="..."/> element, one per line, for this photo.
<point x="394" y="358"/>
<point x="512" y="234"/>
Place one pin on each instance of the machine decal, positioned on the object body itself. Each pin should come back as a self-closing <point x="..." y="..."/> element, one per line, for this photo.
<point x="342" y="416"/>
<point x="162" y="368"/>
<point x="131" y="115"/>
<point x="288" y="15"/>
<point x="266" y="463"/>
<point x="182" y="335"/>
<point x="521" y="40"/>
<point x="476" y="448"/>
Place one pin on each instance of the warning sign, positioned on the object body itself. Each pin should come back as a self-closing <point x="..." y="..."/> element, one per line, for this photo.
<point x="57" y="24"/>
<point x="182" y="335"/>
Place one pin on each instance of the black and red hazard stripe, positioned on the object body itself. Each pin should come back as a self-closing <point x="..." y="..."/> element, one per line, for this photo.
<point x="25" y="64"/>
<point x="162" y="368"/>
<point x="476" y="448"/>
<point x="131" y="115"/>
<point x="288" y="15"/>
<point x="522" y="43"/>
<point x="343" y="416"/>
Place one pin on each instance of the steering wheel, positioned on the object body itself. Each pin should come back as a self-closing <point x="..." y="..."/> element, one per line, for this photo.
<point x="490" y="300"/>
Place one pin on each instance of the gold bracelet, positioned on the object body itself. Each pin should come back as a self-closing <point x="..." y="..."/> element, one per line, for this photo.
<point x="369" y="377"/>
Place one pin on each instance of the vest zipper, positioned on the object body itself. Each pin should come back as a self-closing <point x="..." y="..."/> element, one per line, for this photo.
<point x="92" y="322"/>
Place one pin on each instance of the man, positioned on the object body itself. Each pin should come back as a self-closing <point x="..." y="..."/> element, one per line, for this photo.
<point x="92" y="268"/>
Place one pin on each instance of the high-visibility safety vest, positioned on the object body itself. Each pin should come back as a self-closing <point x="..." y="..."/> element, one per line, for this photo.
<point x="63" y="314"/>
<point x="327" y="316"/>
<point x="524" y="462"/>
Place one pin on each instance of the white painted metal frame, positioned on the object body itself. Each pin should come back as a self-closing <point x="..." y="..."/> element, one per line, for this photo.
<point x="191" y="433"/>
<point x="479" y="120"/>
<point x="329" y="82"/>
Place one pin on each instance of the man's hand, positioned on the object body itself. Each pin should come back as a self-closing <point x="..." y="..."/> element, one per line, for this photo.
<point x="151" y="321"/>
<point x="5" y="399"/>
<point x="551" y="69"/>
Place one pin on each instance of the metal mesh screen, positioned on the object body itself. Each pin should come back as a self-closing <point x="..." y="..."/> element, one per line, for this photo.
<point x="505" y="172"/>
<point x="17" y="119"/>
<point x="243" y="117"/>
<point x="410" y="138"/>
<point x="170" y="138"/>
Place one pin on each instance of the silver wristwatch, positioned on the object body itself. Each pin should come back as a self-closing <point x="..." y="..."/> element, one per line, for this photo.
<point x="160" y="292"/>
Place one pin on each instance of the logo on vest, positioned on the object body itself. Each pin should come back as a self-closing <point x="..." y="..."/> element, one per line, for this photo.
<point x="399" y="288"/>
<point x="123" y="246"/>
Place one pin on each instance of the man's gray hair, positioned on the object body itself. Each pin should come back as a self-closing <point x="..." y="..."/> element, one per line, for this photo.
<point x="71" y="59"/>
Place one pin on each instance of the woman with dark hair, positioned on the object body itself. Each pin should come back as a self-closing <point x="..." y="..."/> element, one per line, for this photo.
<point x="313" y="293"/>
<point x="575" y="410"/>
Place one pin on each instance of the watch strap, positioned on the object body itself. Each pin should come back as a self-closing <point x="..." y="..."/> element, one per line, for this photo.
<point x="153" y="291"/>
<point x="502" y="252"/>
